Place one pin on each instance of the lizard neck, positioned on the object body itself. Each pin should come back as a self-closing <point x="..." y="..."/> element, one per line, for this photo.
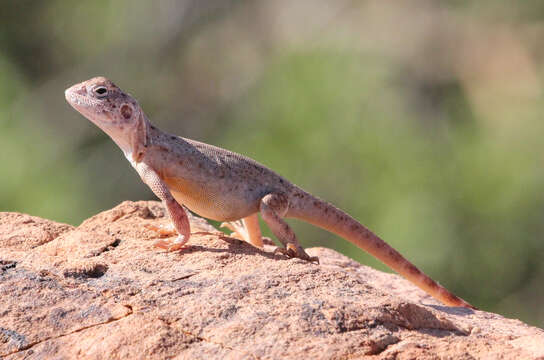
<point x="146" y="138"/>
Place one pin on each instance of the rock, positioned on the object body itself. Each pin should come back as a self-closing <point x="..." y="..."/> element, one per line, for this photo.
<point x="101" y="291"/>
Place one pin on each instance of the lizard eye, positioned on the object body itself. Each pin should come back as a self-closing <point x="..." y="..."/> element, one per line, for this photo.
<point x="100" y="91"/>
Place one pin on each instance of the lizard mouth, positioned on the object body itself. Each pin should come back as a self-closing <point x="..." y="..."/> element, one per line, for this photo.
<point x="87" y="106"/>
<point x="78" y="100"/>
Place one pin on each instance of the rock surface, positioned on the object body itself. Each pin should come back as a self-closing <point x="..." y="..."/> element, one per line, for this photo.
<point x="101" y="291"/>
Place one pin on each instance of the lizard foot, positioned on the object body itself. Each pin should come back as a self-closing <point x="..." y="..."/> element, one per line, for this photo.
<point x="238" y="229"/>
<point x="163" y="230"/>
<point x="292" y="251"/>
<point x="246" y="229"/>
<point x="170" y="245"/>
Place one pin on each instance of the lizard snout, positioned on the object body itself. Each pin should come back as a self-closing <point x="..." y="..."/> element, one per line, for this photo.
<point x="77" y="89"/>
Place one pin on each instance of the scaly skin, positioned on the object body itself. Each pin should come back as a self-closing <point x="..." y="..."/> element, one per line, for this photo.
<point x="225" y="186"/>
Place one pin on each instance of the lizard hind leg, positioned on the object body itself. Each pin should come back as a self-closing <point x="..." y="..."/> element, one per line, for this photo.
<point x="273" y="207"/>
<point x="246" y="229"/>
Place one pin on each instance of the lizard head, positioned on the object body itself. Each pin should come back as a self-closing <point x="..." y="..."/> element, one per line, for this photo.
<point x="108" y="107"/>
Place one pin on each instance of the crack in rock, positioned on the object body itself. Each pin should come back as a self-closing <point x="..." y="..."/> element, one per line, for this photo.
<point x="209" y="341"/>
<point x="34" y="343"/>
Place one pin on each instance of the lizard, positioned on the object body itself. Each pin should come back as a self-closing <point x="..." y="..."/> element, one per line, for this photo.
<point x="225" y="186"/>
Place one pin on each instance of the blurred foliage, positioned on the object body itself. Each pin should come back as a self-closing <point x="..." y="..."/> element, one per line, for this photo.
<point x="422" y="120"/>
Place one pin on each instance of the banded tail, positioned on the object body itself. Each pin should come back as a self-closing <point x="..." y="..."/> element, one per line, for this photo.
<point x="317" y="212"/>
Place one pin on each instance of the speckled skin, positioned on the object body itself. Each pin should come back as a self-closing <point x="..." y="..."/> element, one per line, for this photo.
<point x="225" y="186"/>
<point x="213" y="182"/>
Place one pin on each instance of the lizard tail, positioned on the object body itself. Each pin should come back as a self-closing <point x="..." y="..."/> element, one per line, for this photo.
<point x="317" y="212"/>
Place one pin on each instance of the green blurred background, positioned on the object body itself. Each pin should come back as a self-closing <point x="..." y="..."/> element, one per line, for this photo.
<point x="422" y="119"/>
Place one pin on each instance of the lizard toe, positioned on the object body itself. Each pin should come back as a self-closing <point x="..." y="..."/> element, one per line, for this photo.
<point x="161" y="230"/>
<point x="170" y="245"/>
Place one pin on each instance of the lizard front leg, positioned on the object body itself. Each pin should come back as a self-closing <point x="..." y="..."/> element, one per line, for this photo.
<point x="273" y="207"/>
<point x="175" y="211"/>
<point x="247" y="229"/>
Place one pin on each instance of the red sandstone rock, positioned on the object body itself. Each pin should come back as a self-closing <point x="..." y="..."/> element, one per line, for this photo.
<point x="101" y="291"/>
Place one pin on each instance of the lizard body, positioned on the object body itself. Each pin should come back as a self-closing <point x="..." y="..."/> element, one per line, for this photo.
<point x="226" y="186"/>
<point x="213" y="182"/>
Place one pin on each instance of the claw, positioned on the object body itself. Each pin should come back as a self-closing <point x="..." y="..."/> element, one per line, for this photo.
<point x="280" y="251"/>
<point x="292" y="251"/>
<point x="238" y="229"/>
<point x="169" y="245"/>
<point x="165" y="231"/>
<point x="162" y="230"/>
<point x="227" y="225"/>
